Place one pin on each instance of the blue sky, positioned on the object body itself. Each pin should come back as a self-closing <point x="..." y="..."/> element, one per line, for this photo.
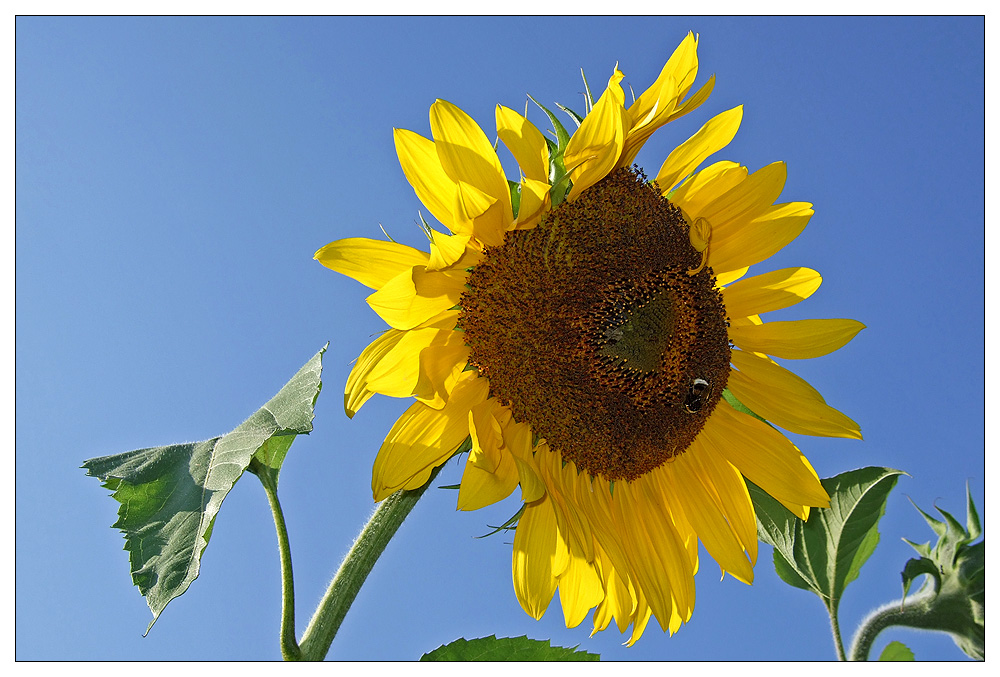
<point x="175" y="176"/>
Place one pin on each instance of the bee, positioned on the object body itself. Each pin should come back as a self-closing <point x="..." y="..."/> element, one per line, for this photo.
<point x="700" y="389"/>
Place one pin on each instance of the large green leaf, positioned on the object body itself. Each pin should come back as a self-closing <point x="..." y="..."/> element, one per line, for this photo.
<point x="170" y="495"/>
<point x="827" y="552"/>
<point x="506" y="649"/>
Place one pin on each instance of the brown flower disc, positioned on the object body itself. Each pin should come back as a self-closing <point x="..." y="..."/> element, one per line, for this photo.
<point x="591" y="329"/>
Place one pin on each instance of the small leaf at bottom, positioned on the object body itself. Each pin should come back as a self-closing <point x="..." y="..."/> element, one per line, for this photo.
<point x="896" y="651"/>
<point x="506" y="649"/>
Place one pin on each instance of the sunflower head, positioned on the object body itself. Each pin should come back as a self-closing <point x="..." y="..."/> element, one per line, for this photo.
<point x="594" y="341"/>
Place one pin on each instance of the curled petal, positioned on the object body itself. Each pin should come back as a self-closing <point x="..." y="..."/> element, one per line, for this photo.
<point x="397" y="372"/>
<point x="479" y="214"/>
<point x="525" y="143"/>
<point x="535" y="201"/>
<point x="424" y="438"/>
<point x="415" y="296"/>
<point x="596" y="146"/>
<point x="356" y="393"/>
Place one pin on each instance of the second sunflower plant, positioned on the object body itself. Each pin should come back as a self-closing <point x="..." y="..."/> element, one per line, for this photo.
<point x="590" y="336"/>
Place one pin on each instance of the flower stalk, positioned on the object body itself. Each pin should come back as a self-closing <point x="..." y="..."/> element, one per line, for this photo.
<point x="269" y="480"/>
<point x="367" y="548"/>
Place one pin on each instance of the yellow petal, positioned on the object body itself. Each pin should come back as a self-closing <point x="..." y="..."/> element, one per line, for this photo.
<point x="415" y="296"/>
<point x="619" y="599"/>
<point x="676" y="77"/>
<point x="519" y="441"/>
<point x="539" y="556"/>
<point x="692" y="492"/>
<point x="419" y="160"/>
<point x="535" y="201"/>
<point x="786" y="399"/>
<point x="594" y="148"/>
<point x="657" y="552"/>
<point x="796" y="339"/>
<point x="564" y="485"/>
<point x="730" y="493"/>
<point x="660" y="104"/>
<point x="525" y="143"/>
<point x="481" y="488"/>
<point x="479" y="214"/>
<point x="370" y="262"/>
<point x="729" y="212"/>
<point x="730" y="276"/>
<point x="487" y="434"/>
<point x="760" y="238"/>
<point x="706" y="185"/>
<point x="467" y="155"/>
<point x="641" y="128"/>
<point x="694" y="100"/>
<point x="640" y="618"/>
<point x="442" y="364"/>
<point x="396" y="373"/>
<point x="424" y="438"/>
<point x="765" y="456"/>
<point x="580" y="590"/>
<point x="712" y="137"/>
<point x="446" y="250"/>
<point x="770" y="291"/>
<point x="356" y="392"/>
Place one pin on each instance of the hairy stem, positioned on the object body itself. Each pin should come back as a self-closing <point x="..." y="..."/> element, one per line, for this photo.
<point x="911" y="614"/>
<point x="838" y="642"/>
<point x="289" y="647"/>
<point x="358" y="563"/>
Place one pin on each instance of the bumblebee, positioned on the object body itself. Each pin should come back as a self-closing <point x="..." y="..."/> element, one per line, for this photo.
<point x="697" y="394"/>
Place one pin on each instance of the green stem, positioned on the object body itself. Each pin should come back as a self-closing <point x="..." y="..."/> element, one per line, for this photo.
<point x="838" y="641"/>
<point x="912" y="614"/>
<point x="358" y="563"/>
<point x="289" y="647"/>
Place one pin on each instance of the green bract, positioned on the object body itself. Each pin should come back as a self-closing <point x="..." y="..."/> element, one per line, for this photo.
<point x="952" y="598"/>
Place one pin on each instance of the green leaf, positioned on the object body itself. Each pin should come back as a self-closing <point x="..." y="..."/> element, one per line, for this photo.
<point x="171" y="495"/>
<point x="896" y="651"/>
<point x="515" y="196"/>
<point x="577" y="118"/>
<point x="506" y="649"/>
<point x="826" y="553"/>
<point x="562" y="136"/>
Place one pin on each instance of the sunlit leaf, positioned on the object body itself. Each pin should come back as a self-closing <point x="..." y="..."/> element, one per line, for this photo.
<point x="171" y="495"/>
<point x="506" y="649"/>
<point x="896" y="651"/>
<point x="826" y="553"/>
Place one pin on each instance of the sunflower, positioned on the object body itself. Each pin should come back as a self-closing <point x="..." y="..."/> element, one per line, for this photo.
<point x="589" y="336"/>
